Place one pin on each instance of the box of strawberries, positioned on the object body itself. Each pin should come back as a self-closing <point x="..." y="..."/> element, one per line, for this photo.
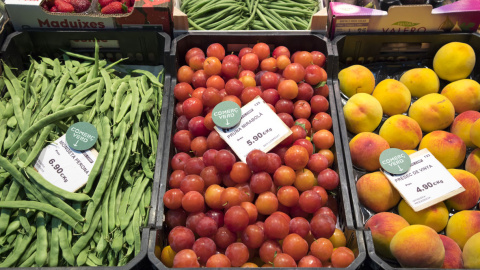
<point x="89" y="14"/>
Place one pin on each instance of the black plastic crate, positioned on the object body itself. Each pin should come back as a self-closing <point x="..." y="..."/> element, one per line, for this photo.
<point x="233" y="41"/>
<point x="146" y="48"/>
<point x="387" y="56"/>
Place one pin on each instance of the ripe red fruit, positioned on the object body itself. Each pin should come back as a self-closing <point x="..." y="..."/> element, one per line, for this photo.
<point x="63" y="6"/>
<point x="80" y="5"/>
<point x="257" y="160"/>
<point x="114" y="8"/>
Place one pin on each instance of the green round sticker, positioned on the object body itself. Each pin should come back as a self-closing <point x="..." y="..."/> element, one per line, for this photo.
<point x="395" y="161"/>
<point x="226" y="114"/>
<point x="81" y="136"/>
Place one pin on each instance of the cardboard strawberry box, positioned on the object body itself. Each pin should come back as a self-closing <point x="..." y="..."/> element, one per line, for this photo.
<point x="29" y="14"/>
<point x="459" y="16"/>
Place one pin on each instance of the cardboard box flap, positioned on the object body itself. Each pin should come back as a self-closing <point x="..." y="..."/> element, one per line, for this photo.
<point x="352" y="10"/>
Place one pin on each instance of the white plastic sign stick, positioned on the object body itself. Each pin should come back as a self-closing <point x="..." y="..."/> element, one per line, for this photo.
<point x="259" y="128"/>
<point x="64" y="167"/>
<point x="426" y="183"/>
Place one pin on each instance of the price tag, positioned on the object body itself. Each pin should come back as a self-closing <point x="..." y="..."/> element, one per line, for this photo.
<point x="64" y="167"/>
<point x="426" y="183"/>
<point x="259" y="128"/>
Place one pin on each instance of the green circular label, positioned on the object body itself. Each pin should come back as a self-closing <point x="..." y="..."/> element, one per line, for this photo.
<point x="226" y="114"/>
<point x="81" y="136"/>
<point x="395" y="161"/>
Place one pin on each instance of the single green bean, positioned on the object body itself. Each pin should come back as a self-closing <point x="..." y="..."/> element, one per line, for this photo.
<point x="149" y="75"/>
<point x="123" y="204"/>
<point x="82" y="257"/>
<point x="5" y="213"/>
<point x="53" y="254"/>
<point x="83" y="240"/>
<point x="16" y="100"/>
<point x="60" y="204"/>
<point x="101" y="155"/>
<point x="127" y="101"/>
<point x="134" y="204"/>
<point x="52" y="118"/>
<point x="22" y="216"/>
<point x="67" y="252"/>
<point x="52" y="210"/>
<point x="54" y="189"/>
<point x="100" y="188"/>
<point x="79" y="56"/>
<point x="94" y="71"/>
<point x="3" y="132"/>
<point x="42" y="242"/>
<point x="136" y="231"/>
<point x="59" y="90"/>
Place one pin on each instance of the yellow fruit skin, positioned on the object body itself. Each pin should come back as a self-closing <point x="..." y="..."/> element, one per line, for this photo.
<point x="167" y="256"/>
<point x="393" y="95"/>
<point x="454" y="61"/>
<point x="462" y="126"/>
<point x="463" y="225"/>
<point x="401" y="132"/>
<point x="384" y="226"/>
<point x="435" y="216"/>
<point x="472" y="164"/>
<point x="475" y="133"/>
<point x="421" y="81"/>
<point x="464" y="95"/>
<point x="447" y="147"/>
<point x="356" y="79"/>
<point x="365" y="150"/>
<point x="471" y="252"/>
<point x="432" y="112"/>
<point x="362" y="113"/>
<point x="376" y="192"/>
<point x="418" y="246"/>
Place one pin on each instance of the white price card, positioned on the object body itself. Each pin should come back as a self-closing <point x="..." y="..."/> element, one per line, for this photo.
<point x="259" y="128"/>
<point x="64" y="167"/>
<point x="426" y="183"/>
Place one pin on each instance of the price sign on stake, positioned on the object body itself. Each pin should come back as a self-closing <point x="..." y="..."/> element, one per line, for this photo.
<point x="426" y="183"/>
<point x="64" y="167"/>
<point x="259" y="128"/>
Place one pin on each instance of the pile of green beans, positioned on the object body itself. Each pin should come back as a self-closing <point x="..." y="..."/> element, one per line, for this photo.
<point x="250" y="14"/>
<point x="43" y="225"/>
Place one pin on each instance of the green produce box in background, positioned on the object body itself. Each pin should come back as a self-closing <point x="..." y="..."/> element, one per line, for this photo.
<point x="181" y="21"/>
<point x="388" y="57"/>
<point x="122" y="242"/>
<point x="233" y="42"/>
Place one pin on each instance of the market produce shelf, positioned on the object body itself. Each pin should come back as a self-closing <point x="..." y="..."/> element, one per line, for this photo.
<point x="387" y="56"/>
<point x="140" y="50"/>
<point x="233" y="42"/>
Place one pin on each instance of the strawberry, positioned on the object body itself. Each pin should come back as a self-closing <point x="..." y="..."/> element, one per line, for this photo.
<point x="53" y="9"/>
<point x="80" y="5"/>
<point x="64" y="7"/>
<point x="114" y="8"/>
<point x="130" y="9"/>
<point x="104" y="3"/>
<point x="125" y="2"/>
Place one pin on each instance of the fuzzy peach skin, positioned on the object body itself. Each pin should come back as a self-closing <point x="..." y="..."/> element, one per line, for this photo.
<point x="365" y="150"/>
<point x="472" y="164"/>
<point x="435" y="216"/>
<point x="453" y="253"/>
<point x="462" y="126"/>
<point x="464" y="95"/>
<point x="393" y="95"/>
<point x="356" y="79"/>
<point x="401" y="132"/>
<point x="462" y="225"/>
<point x="377" y="193"/>
<point x="454" y="61"/>
<point x="470" y="196"/>
<point x="471" y="252"/>
<point x="418" y="246"/>
<point x="384" y="226"/>
<point x="475" y="133"/>
<point x="421" y="81"/>
<point x="362" y="113"/>
<point x="447" y="147"/>
<point x="432" y="112"/>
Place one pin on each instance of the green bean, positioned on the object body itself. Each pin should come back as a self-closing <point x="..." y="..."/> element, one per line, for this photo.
<point x="133" y="204"/>
<point x="59" y="203"/>
<point x="82" y="257"/>
<point x="83" y="240"/>
<point x="100" y="189"/>
<point x="42" y="242"/>
<point x="45" y="208"/>
<point x="17" y="109"/>
<point x="8" y="110"/>
<point x="123" y="204"/>
<point x="82" y="86"/>
<point x="3" y="132"/>
<point x="124" y="107"/>
<point x="52" y="118"/>
<point x="31" y="248"/>
<point x="119" y="97"/>
<point x="54" y="189"/>
<point x="117" y="241"/>
<point x="5" y="213"/>
<point x="147" y="198"/>
<point x="105" y="219"/>
<point x="129" y="237"/>
<point x="13" y="226"/>
<point x="59" y="90"/>
<point x="94" y="71"/>
<point x="29" y="262"/>
<point x="79" y="56"/>
<point x="136" y="232"/>
<point x="14" y="80"/>
<point x="19" y="249"/>
<point x="149" y="75"/>
<point x="67" y="252"/>
<point x="22" y="216"/>
<point x="146" y="168"/>
<point x="54" y="243"/>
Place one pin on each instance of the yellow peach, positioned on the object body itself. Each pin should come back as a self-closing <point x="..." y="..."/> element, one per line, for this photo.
<point x="464" y="95"/>
<point x="365" y="150"/>
<point x="401" y="132"/>
<point x="462" y="225"/>
<point x="435" y="216"/>
<point x="421" y="81"/>
<point x="432" y="112"/>
<point x="362" y="113"/>
<point x="356" y="79"/>
<point x="448" y="148"/>
<point x="454" y="61"/>
<point x="462" y="126"/>
<point x="393" y="95"/>
<point x="377" y="193"/>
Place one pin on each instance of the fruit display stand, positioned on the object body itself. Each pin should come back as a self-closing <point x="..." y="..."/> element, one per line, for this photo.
<point x="388" y="57"/>
<point x="147" y="50"/>
<point x="233" y="42"/>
